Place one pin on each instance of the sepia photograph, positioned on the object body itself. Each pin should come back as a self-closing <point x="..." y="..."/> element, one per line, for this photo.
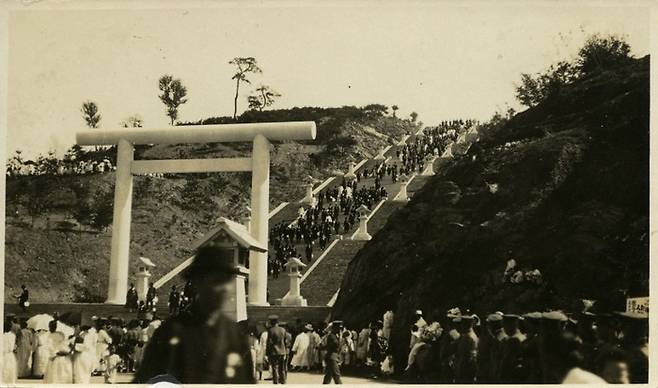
<point x="343" y="192"/>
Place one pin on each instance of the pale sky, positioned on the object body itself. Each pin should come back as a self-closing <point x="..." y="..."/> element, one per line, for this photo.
<point x="439" y="59"/>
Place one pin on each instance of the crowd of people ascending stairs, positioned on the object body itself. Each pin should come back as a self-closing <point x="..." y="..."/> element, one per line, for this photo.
<point x="335" y="211"/>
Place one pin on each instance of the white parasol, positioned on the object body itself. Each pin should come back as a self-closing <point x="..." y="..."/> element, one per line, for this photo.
<point x="41" y="321"/>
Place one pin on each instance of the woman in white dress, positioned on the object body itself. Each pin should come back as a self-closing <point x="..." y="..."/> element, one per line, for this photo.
<point x="90" y="340"/>
<point x="60" y="367"/>
<point x="9" y="371"/>
<point x="41" y="353"/>
<point x="103" y="341"/>
<point x="24" y="350"/>
<point x="300" y="349"/>
<point x="81" y="363"/>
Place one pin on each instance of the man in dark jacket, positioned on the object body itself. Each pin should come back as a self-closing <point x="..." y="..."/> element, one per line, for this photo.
<point x="200" y="346"/>
<point x="174" y="301"/>
<point x="276" y="350"/>
<point x="151" y="294"/>
<point x="24" y="297"/>
<point x="332" y="357"/>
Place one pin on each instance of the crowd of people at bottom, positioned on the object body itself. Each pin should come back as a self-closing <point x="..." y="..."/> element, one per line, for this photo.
<point x="66" y="353"/>
<point x="533" y="348"/>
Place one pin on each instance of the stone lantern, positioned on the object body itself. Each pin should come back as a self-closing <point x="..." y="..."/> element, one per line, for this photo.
<point x="143" y="275"/>
<point x="351" y="174"/>
<point x="429" y="168"/>
<point x="401" y="143"/>
<point x="380" y="154"/>
<point x="402" y="195"/>
<point x="294" y="297"/>
<point x="362" y="233"/>
<point x="235" y="241"/>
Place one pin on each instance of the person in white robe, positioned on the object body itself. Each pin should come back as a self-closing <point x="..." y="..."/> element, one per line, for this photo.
<point x="313" y="349"/>
<point x="112" y="362"/>
<point x="60" y="367"/>
<point x="388" y="324"/>
<point x="9" y="370"/>
<point x="42" y="353"/>
<point x="346" y="348"/>
<point x="90" y="341"/>
<point x="300" y="349"/>
<point x="103" y="341"/>
<point x="141" y="345"/>
<point x="362" y="346"/>
<point x="81" y="362"/>
<point x="24" y="351"/>
<point x="262" y="352"/>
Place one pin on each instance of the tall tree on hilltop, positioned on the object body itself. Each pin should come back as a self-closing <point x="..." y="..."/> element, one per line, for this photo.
<point x="414" y="116"/>
<point x="90" y="114"/>
<point x="244" y="66"/>
<point x="263" y="97"/>
<point x="173" y="95"/>
<point x="394" y="108"/>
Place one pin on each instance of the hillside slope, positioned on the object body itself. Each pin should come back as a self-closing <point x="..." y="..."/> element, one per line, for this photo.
<point x="169" y="214"/>
<point x="571" y="200"/>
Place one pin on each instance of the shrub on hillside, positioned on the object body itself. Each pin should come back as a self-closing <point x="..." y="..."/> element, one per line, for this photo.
<point x="603" y="52"/>
<point x="598" y="53"/>
<point x="85" y="294"/>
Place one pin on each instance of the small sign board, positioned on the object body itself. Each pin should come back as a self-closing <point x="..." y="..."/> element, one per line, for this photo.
<point x="638" y="305"/>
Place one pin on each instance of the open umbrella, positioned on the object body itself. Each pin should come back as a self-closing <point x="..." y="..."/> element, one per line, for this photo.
<point x="41" y="321"/>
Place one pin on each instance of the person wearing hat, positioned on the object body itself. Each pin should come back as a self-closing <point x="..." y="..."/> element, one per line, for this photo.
<point x="300" y="348"/>
<point x="467" y="351"/>
<point x="202" y="345"/>
<point x="511" y="351"/>
<point x="448" y="346"/>
<point x="531" y="347"/>
<point x="276" y="350"/>
<point x="332" y="357"/>
<point x="489" y="349"/>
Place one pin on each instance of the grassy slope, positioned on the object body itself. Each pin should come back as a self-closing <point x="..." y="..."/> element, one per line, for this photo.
<point x="169" y="214"/>
<point x="572" y="202"/>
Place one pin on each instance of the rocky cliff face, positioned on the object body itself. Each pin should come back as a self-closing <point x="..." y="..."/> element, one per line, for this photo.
<point x="562" y="187"/>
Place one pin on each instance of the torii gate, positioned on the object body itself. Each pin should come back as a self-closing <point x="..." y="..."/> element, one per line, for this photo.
<point x="259" y="164"/>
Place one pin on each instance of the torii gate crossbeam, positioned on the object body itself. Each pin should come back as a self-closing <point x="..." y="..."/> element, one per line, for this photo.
<point x="259" y="164"/>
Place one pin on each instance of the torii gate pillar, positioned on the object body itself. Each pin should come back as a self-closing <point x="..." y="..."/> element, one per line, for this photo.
<point x="260" y="205"/>
<point x="123" y="198"/>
